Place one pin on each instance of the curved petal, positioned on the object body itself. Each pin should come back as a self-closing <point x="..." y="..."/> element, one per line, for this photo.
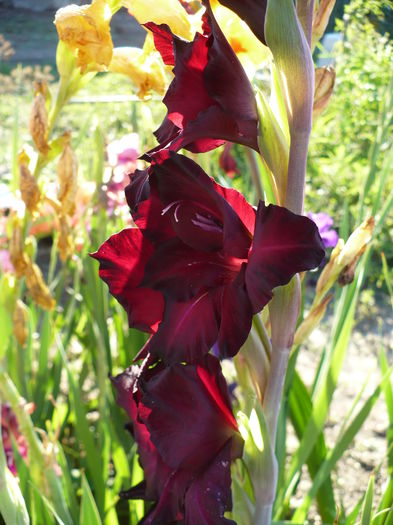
<point x="122" y="261"/>
<point x="236" y="316"/>
<point x="180" y="180"/>
<point x="138" y="189"/>
<point x="253" y="12"/>
<point x="210" y="100"/>
<point x="209" y="496"/>
<point x="284" y="244"/>
<point x="187" y="331"/>
<point x="186" y="424"/>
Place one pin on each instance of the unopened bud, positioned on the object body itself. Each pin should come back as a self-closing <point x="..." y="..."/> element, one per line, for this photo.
<point x="65" y="242"/>
<point x="67" y="173"/>
<point x="345" y="256"/>
<point x="20" y="320"/>
<point x="38" y="124"/>
<point x="18" y="256"/>
<point x="321" y="19"/>
<point x="28" y="184"/>
<point x="324" y="84"/>
<point x="38" y="289"/>
<point x="312" y="320"/>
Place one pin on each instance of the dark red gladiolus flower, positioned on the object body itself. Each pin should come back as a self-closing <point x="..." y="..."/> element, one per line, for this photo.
<point x="210" y="100"/>
<point x="214" y="259"/>
<point x="182" y="422"/>
<point x="253" y="12"/>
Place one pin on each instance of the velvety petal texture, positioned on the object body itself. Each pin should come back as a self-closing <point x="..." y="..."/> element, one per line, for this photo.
<point x="182" y="421"/>
<point x="202" y="262"/>
<point x="210" y="100"/>
<point x="122" y="261"/>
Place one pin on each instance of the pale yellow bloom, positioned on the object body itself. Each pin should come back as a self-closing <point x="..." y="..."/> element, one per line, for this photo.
<point x="144" y="67"/>
<point x="168" y="12"/>
<point x="86" y="29"/>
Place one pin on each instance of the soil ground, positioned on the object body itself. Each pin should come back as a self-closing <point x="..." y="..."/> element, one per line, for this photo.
<point x="34" y="38"/>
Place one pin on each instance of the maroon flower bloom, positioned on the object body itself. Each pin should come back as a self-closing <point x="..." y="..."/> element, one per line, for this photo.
<point x="253" y="12"/>
<point x="214" y="259"/>
<point x="182" y="422"/>
<point x="210" y="100"/>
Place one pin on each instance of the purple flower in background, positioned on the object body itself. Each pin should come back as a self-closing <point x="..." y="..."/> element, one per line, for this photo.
<point x="324" y="223"/>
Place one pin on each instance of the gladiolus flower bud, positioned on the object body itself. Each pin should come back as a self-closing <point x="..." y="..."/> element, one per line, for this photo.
<point x="16" y="248"/>
<point x="312" y="320"/>
<point x="38" y="289"/>
<point x="321" y="19"/>
<point x="38" y="124"/>
<point x="65" y="243"/>
<point x="28" y="184"/>
<point x="20" y="318"/>
<point x="324" y="85"/>
<point x="67" y="171"/>
<point x="345" y="256"/>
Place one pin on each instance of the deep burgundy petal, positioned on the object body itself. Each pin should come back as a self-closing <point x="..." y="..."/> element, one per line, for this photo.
<point x="209" y="496"/>
<point x="138" y="190"/>
<point x="155" y="470"/>
<point x="181" y="182"/>
<point x="284" y="244"/>
<point x="163" y="40"/>
<point x="187" y="331"/>
<point x="210" y="100"/>
<point x="236" y="316"/>
<point x="227" y="82"/>
<point x="187" y="424"/>
<point x="181" y="273"/>
<point x="253" y="12"/>
<point x="122" y="264"/>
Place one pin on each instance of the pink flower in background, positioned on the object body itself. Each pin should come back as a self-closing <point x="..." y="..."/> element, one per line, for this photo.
<point x="5" y="262"/>
<point x="10" y="432"/>
<point x="122" y="157"/>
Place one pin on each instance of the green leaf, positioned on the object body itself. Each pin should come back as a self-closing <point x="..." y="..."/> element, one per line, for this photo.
<point x="340" y="447"/>
<point x="368" y="503"/>
<point x="300" y="407"/>
<point x="89" y="512"/>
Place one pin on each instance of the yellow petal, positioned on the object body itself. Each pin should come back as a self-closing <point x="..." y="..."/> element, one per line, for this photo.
<point x="250" y="51"/>
<point x="168" y="12"/>
<point x="143" y="66"/>
<point x="86" y="29"/>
